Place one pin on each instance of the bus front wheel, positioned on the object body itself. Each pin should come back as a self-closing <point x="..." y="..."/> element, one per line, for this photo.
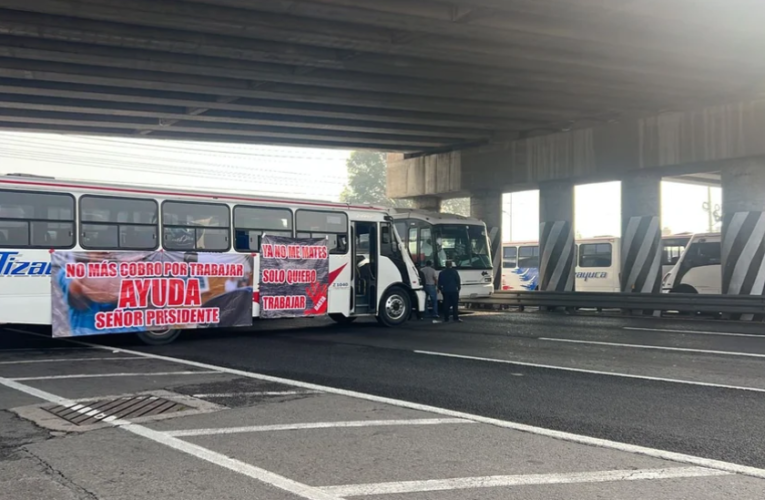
<point x="159" y="337"/>
<point x="395" y="307"/>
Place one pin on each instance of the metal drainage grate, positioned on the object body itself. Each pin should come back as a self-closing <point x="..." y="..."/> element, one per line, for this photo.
<point x="113" y="409"/>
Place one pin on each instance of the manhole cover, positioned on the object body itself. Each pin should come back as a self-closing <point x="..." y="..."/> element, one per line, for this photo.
<point x="113" y="409"/>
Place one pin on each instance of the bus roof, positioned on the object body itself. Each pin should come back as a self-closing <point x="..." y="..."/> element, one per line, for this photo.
<point x="22" y="181"/>
<point x="436" y="217"/>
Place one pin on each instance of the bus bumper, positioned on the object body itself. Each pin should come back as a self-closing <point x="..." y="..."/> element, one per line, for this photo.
<point x="421" y="300"/>
<point x="476" y="291"/>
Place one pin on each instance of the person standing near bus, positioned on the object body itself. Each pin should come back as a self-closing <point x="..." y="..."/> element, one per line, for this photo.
<point x="430" y="283"/>
<point x="449" y="283"/>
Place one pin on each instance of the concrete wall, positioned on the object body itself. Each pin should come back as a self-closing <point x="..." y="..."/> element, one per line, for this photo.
<point x="694" y="140"/>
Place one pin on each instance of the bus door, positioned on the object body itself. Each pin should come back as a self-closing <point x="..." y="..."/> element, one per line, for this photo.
<point x="365" y="270"/>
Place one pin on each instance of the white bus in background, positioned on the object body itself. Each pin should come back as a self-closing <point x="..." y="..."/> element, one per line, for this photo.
<point x="597" y="262"/>
<point x="698" y="269"/>
<point x="41" y="215"/>
<point x="673" y="247"/>
<point x="441" y="237"/>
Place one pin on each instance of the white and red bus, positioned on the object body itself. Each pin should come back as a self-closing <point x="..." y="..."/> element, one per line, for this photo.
<point x="370" y="270"/>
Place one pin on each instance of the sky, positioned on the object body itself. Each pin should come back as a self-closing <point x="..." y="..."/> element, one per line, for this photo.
<point x="301" y="173"/>
<point x="280" y="171"/>
<point x="598" y="210"/>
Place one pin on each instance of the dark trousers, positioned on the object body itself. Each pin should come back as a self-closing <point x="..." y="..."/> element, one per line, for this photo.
<point x="451" y="304"/>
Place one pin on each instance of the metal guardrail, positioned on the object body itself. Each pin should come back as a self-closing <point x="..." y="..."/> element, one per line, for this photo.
<point x="681" y="302"/>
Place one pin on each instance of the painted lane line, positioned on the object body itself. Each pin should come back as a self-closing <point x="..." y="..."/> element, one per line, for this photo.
<point x="695" y="332"/>
<point x="99" y="375"/>
<point x="355" y="490"/>
<point x="46" y="349"/>
<point x="317" y="425"/>
<point x="660" y="348"/>
<point x="540" y="431"/>
<point x="262" y="475"/>
<point x="592" y="372"/>
<point x="61" y="360"/>
<point x="253" y="393"/>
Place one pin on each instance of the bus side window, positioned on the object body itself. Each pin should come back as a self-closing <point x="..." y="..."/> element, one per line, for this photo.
<point x="251" y="223"/>
<point x="413" y="252"/>
<point x="330" y="225"/>
<point x="595" y="255"/>
<point x="36" y="220"/>
<point x="109" y="223"/>
<point x="528" y="257"/>
<point x="195" y="226"/>
<point x="426" y="245"/>
<point x="509" y="257"/>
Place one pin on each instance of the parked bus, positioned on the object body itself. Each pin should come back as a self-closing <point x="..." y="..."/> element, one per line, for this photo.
<point x="598" y="263"/>
<point x="672" y="248"/>
<point x="698" y="269"/>
<point x="445" y="237"/>
<point x="39" y="216"/>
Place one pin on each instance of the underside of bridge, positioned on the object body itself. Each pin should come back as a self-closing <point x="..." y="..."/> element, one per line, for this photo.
<point x="412" y="76"/>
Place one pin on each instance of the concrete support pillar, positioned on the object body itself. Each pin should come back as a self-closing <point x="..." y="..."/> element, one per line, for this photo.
<point x="556" y="236"/>
<point x="429" y="203"/>
<point x="487" y="206"/>
<point x="743" y="229"/>
<point x="641" y="234"/>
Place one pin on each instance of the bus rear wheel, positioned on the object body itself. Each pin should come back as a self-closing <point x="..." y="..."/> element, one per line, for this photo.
<point x="342" y="319"/>
<point x="395" y="307"/>
<point x="158" y="337"/>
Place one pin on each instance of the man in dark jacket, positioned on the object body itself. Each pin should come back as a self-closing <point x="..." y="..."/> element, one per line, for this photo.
<point x="449" y="283"/>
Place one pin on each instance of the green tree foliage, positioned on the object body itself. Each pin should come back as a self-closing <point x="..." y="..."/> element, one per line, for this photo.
<point x="366" y="180"/>
<point x="366" y="184"/>
<point x="458" y="206"/>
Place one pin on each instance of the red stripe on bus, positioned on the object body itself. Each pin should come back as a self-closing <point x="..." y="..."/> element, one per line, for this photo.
<point x="191" y="195"/>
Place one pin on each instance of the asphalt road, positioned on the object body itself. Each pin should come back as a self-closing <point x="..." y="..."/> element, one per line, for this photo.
<point x="693" y="387"/>
<point x="685" y="413"/>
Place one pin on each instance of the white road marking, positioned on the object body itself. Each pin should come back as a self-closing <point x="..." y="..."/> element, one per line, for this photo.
<point x="37" y="349"/>
<point x="591" y="372"/>
<point x="660" y="348"/>
<point x="317" y="425"/>
<point x="253" y="393"/>
<point x="100" y="375"/>
<point x="355" y="490"/>
<point x="68" y="360"/>
<point x="262" y="475"/>
<point x="540" y="431"/>
<point x="695" y="332"/>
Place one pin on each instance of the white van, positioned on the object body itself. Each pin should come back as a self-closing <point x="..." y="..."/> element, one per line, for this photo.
<point x="698" y="270"/>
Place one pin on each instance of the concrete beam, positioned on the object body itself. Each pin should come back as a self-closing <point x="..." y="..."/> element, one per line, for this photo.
<point x="162" y="83"/>
<point x="167" y="66"/>
<point x="440" y="173"/>
<point x="324" y="66"/>
<point x="132" y="107"/>
<point x="352" y="140"/>
<point x="330" y="34"/>
<point x="670" y="144"/>
<point x="524" y="34"/>
<point x="743" y="229"/>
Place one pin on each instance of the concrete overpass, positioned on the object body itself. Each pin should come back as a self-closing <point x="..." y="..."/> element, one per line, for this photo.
<point x="475" y="97"/>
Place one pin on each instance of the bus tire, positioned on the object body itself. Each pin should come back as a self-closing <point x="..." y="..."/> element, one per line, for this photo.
<point x="395" y="307"/>
<point x="159" y="337"/>
<point x="342" y="319"/>
<point x="684" y="289"/>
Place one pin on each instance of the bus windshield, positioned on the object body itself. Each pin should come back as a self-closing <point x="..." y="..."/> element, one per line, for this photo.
<point x="465" y="245"/>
